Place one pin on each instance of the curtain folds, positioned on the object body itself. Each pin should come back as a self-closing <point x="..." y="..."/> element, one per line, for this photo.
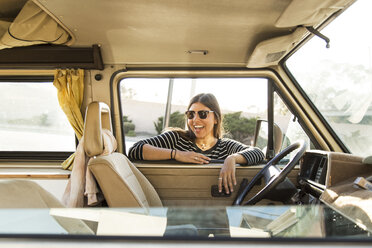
<point x="70" y="87"/>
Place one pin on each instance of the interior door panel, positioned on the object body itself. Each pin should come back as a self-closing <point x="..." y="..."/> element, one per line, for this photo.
<point x="190" y="185"/>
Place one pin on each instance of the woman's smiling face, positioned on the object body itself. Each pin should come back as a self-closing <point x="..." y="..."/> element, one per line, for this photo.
<point x="202" y="128"/>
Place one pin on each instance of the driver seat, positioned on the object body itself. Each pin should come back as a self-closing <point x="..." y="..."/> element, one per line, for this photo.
<point x="122" y="184"/>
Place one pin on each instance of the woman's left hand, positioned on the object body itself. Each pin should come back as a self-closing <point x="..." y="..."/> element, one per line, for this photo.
<point x="227" y="175"/>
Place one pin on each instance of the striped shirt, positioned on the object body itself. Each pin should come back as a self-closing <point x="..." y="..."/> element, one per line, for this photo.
<point x="220" y="151"/>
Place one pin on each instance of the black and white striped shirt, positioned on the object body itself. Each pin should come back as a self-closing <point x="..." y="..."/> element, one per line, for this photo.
<point x="223" y="148"/>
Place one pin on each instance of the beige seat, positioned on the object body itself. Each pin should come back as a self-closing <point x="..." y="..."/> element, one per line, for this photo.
<point x="122" y="184"/>
<point x="26" y="194"/>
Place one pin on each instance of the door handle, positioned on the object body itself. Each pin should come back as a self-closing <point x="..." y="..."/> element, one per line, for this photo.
<point x="215" y="193"/>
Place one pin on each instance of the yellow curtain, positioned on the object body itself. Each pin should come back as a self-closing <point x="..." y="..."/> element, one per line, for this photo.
<point x="70" y="87"/>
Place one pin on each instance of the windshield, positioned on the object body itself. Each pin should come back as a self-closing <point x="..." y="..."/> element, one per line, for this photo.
<point x="313" y="221"/>
<point x="338" y="80"/>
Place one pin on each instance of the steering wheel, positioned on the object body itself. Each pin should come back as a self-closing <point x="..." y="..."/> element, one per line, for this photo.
<point x="275" y="180"/>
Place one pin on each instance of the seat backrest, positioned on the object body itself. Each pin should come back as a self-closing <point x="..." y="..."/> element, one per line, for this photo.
<point x="26" y="194"/>
<point x="122" y="184"/>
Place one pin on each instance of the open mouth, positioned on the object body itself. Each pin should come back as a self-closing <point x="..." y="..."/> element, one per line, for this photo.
<point x="198" y="128"/>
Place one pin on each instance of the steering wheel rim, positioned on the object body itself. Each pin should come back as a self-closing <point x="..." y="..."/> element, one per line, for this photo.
<point x="273" y="182"/>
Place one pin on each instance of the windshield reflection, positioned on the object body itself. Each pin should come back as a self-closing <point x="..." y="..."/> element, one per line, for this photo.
<point x="216" y="222"/>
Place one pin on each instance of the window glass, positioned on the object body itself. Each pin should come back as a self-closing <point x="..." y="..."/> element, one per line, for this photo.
<point x="143" y="102"/>
<point x="287" y="130"/>
<point x="214" y="224"/>
<point x="291" y="130"/>
<point x="32" y="120"/>
<point x="288" y="124"/>
<point x="339" y="80"/>
<point x="242" y="101"/>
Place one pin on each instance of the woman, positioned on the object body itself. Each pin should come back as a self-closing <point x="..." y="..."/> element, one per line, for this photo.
<point x="200" y="143"/>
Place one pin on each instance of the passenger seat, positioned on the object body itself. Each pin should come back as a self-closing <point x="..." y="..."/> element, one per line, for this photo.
<point x="122" y="184"/>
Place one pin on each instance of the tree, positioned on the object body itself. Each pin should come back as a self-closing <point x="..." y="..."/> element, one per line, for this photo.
<point x="44" y="120"/>
<point x="127" y="93"/>
<point x="176" y="119"/>
<point x="239" y="128"/>
<point x="129" y="127"/>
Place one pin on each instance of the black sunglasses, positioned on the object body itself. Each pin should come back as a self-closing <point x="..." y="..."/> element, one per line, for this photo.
<point x="203" y="114"/>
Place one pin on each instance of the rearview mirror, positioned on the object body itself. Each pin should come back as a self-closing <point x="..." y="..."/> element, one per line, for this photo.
<point x="261" y="136"/>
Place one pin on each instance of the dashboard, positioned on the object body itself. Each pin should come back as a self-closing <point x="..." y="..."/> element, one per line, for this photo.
<point x="314" y="167"/>
<point x="320" y="170"/>
<point x="313" y="173"/>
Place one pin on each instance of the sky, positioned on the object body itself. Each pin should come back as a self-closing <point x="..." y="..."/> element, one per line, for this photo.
<point x="235" y="94"/>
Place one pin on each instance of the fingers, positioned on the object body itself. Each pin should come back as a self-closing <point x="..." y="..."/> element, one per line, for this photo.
<point x="197" y="160"/>
<point x="200" y="159"/>
<point x="192" y="157"/>
<point x="227" y="182"/>
<point x="233" y="177"/>
<point x="227" y="178"/>
<point x="204" y="158"/>
<point x="220" y="184"/>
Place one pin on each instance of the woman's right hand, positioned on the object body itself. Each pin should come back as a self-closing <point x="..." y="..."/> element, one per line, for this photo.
<point x="191" y="157"/>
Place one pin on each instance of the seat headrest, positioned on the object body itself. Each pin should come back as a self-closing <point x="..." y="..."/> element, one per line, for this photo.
<point x="97" y="117"/>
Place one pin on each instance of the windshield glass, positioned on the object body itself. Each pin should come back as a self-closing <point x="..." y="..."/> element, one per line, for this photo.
<point x="313" y="221"/>
<point x="338" y="80"/>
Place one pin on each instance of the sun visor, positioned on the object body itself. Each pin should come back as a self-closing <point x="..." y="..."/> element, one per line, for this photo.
<point x="33" y="26"/>
<point x="269" y="52"/>
<point x="309" y="12"/>
<point x="4" y="25"/>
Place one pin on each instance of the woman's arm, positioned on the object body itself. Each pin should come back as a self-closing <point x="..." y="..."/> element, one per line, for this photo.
<point x="253" y="155"/>
<point x="227" y="173"/>
<point x="156" y="153"/>
<point x="162" y="147"/>
<point x="150" y="152"/>
<point x="239" y="154"/>
<point x="165" y="142"/>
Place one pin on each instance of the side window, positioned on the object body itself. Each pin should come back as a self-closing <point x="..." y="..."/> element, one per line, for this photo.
<point x="32" y="120"/>
<point x="288" y="123"/>
<point x="287" y="130"/>
<point x="144" y="104"/>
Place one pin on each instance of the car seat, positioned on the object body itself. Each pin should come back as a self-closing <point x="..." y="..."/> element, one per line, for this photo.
<point x="122" y="184"/>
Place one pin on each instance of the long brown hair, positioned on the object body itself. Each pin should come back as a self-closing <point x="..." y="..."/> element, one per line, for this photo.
<point x="210" y="101"/>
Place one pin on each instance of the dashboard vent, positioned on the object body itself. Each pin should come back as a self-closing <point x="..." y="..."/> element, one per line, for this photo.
<point x="314" y="168"/>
